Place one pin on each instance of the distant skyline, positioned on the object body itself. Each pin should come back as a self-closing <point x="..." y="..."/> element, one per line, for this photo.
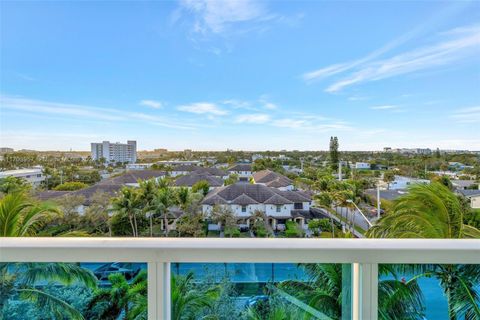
<point x="241" y="75"/>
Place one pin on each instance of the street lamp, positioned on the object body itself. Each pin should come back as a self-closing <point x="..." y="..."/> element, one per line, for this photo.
<point x="368" y="221"/>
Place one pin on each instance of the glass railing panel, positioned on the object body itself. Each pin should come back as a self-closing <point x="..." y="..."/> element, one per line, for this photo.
<point x="429" y="291"/>
<point x="38" y="291"/>
<point x="260" y="291"/>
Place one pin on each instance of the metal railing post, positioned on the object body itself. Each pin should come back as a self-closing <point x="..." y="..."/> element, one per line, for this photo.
<point x="153" y="290"/>
<point x="356" y="291"/>
<point x="166" y="301"/>
<point x="369" y="291"/>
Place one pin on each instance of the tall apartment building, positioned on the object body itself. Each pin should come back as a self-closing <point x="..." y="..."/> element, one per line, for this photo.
<point x="115" y="152"/>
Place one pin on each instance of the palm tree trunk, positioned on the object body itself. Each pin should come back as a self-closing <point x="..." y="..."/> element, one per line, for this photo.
<point x="451" y="313"/>
<point x="131" y="224"/>
<point x="136" y="225"/>
<point x="165" y="223"/>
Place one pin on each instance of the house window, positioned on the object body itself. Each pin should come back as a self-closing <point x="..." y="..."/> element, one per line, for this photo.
<point x="244" y="208"/>
<point x="298" y="205"/>
<point x="279" y="208"/>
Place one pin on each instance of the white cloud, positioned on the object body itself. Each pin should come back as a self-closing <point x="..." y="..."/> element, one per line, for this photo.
<point x="458" y="43"/>
<point x="152" y="104"/>
<point x="467" y="115"/>
<point x="466" y="43"/>
<point x="203" y="108"/>
<point x="216" y="16"/>
<point x="258" y="118"/>
<point x="385" y="107"/>
<point x="87" y="112"/>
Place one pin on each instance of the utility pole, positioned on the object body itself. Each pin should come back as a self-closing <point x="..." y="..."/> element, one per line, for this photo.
<point x="378" y="201"/>
<point x="340" y="171"/>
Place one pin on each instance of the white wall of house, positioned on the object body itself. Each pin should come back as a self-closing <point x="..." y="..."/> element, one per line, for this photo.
<point x="475" y="202"/>
<point x="269" y="209"/>
<point x="33" y="176"/>
<point x="138" y="166"/>
<point x="242" y="174"/>
<point x="362" y="165"/>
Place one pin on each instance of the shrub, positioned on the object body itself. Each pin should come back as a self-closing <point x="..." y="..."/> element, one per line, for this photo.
<point x="70" y="186"/>
<point x="232" y="233"/>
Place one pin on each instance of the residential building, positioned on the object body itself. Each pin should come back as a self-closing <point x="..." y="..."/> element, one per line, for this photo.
<point x="464" y="184"/>
<point x="272" y="179"/>
<point x="242" y="170"/>
<point x="6" y="150"/>
<point x="34" y="176"/>
<point x="458" y="166"/>
<point x="193" y="178"/>
<point x="110" y="186"/>
<point x="360" y="165"/>
<point x="189" y="169"/>
<point x="402" y="182"/>
<point x="138" y="166"/>
<point x="115" y="152"/>
<point x="243" y="199"/>
<point x="473" y="196"/>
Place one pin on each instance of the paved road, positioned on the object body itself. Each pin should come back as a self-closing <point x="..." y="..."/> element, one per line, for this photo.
<point x="329" y="215"/>
<point x="359" y="219"/>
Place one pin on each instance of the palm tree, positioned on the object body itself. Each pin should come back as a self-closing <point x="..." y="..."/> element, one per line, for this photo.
<point x="22" y="279"/>
<point x="324" y="291"/>
<point x="433" y="211"/>
<point x="426" y="211"/>
<point x="164" y="199"/>
<point x="459" y="284"/>
<point x="129" y="203"/>
<point x="20" y="217"/>
<point x="183" y="197"/>
<point x="274" y="309"/>
<point x="129" y="299"/>
<point x="187" y="300"/>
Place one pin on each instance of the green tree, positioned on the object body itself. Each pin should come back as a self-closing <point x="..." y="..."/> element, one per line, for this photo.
<point x="188" y="300"/>
<point x="13" y="185"/>
<point x="224" y="216"/>
<point x="71" y="186"/>
<point x="23" y="280"/>
<point x="201" y="186"/>
<point x="20" y="216"/>
<point x="388" y="177"/>
<point x="334" y="156"/>
<point x="128" y="203"/>
<point x="325" y="292"/>
<point x="426" y="211"/>
<point x="164" y="199"/>
<point x="122" y="298"/>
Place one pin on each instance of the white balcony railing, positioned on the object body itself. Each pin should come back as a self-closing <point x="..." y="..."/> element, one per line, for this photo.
<point x="364" y="254"/>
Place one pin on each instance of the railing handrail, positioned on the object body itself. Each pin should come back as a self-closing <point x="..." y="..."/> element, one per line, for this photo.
<point x="159" y="253"/>
<point x="241" y="250"/>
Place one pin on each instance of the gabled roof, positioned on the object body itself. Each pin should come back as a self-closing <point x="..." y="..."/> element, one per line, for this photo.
<point x="278" y="183"/>
<point x="294" y="196"/>
<point x="213" y="200"/>
<point x="110" y="185"/>
<point x="243" y="200"/>
<point x="133" y="177"/>
<point x="241" y="167"/>
<point x="191" y="179"/>
<point x="258" y="192"/>
<point x="268" y="176"/>
<point x="200" y="170"/>
<point x="470" y="193"/>
<point x="277" y="199"/>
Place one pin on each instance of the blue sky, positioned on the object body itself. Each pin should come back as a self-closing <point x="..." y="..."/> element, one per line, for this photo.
<point x="212" y="75"/>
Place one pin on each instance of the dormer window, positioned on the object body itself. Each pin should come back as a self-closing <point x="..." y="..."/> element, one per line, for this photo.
<point x="244" y="208"/>
<point x="279" y="208"/>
